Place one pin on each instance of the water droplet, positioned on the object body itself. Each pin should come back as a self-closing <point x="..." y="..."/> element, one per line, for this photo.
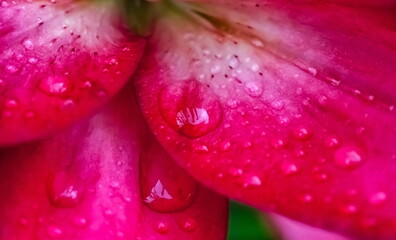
<point x="164" y="186"/>
<point x="251" y="181"/>
<point x="23" y="222"/>
<point x="254" y="89"/>
<point x="234" y="62"/>
<point x="64" y="189"/>
<point x="348" y="157"/>
<point x="278" y="143"/>
<point x="54" y="232"/>
<point x="11" y="69"/>
<point x="190" y="108"/>
<point x="302" y="133"/>
<point x="101" y="93"/>
<point x="331" y="142"/>
<point x="235" y="171"/>
<point x="289" y="169"/>
<point x="189" y="225"/>
<point x="162" y="227"/>
<point x="225" y="146"/>
<point x="306" y="198"/>
<point x="11" y="104"/>
<point x="28" y="44"/>
<point x="349" y="209"/>
<point x="54" y="85"/>
<point x="80" y="222"/>
<point x="33" y="60"/>
<point x="378" y="198"/>
<point x="255" y="67"/>
<point x="313" y="71"/>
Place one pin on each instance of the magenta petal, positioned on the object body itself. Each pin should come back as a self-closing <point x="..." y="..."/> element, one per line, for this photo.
<point x="59" y="61"/>
<point x="85" y="184"/>
<point x="287" y="107"/>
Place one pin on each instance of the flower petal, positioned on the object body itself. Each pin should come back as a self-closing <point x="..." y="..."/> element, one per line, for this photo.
<point x="288" y="107"/>
<point x="58" y="62"/>
<point x="85" y="184"/>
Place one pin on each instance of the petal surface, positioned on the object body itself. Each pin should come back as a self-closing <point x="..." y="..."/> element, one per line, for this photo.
<point x="287" y="106"/>
<point x="87" y="183"/>
<point x="59" y="61"/>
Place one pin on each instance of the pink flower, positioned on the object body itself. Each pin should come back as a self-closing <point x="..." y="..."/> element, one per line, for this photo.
<point x="284" y="105"/>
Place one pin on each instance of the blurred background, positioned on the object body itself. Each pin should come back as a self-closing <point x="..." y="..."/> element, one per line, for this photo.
<point x="246" y="223"/>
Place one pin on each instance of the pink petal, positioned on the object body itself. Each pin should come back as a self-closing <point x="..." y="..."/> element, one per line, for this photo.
<point x="288" y="107"/>
<point x="58" y="62"/>
<point x="85" y="184"/>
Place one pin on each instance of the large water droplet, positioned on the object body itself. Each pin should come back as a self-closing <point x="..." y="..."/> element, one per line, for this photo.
<point x="348" y="157"/>
<point x="164" y="186"/>
<point x="289" y="169"/>
<point x="54" y="85"/>
<point x="190" y="108"/>
<point x="64" y="189"/>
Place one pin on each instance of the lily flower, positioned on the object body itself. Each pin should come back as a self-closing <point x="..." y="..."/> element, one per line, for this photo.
<point x="139" y="120"/>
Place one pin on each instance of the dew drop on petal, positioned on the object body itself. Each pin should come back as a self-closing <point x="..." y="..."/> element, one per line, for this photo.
<point x="54" y="85"/>
<point x="190" y="108"/>
<point x="162" y="227"/>
<point x="54" y="232"/>
<point x="302" y="133"/>
<point x="189" y="225"/>
<point x="378" y="198"/>
<point x="28" y="44"/>
<point x="348" y="157"/>
<point x="289" y="169"/>
<point x="164" y="187"/>
<point x="251" y="181"/>
<point x="64" y="190"/>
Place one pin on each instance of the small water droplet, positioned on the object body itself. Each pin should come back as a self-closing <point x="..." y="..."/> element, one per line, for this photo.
<point x="255" y="67"/>
<point x="23" y="222"/>
<point x="101" y="93"/>
<point x="64" y="189"/>
<point x="235" y="171"/>
<point x="278" y="143"/>
<point x="11" y="69"/>
<point x="162" y="227"/>
<point x="11" y="104"/>
<point x="331" y="142"/>
<point x="80" y="222"/>
<point x="54" y="232"/>
<point x="306" y="198"/>
<point x="378" y="198"/>
<point x="33" y="60"/>
<point x="254" y="89"/>
<point x="28" y="44"/>
<point x="225" y="146"/>
<point x="251" y="181"/>
<point x="302" y="133"/>
<point x="234" y="62"/>
<point x="289" y="169"/>
<point x="348" y="157"/>
<point x="190" y="108"/>
<point x="313" y="71"/>
<point x="278" y="105"/>
<point x="349" y="209"/>
<point x="54" y="85"/>
<point x="189" y="225"/>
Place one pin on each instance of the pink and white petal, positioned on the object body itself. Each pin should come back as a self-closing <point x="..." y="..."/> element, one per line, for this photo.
<point x="282" y="107"/>
<point x="86" y="183"/>
<point x="59" y="61"/>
